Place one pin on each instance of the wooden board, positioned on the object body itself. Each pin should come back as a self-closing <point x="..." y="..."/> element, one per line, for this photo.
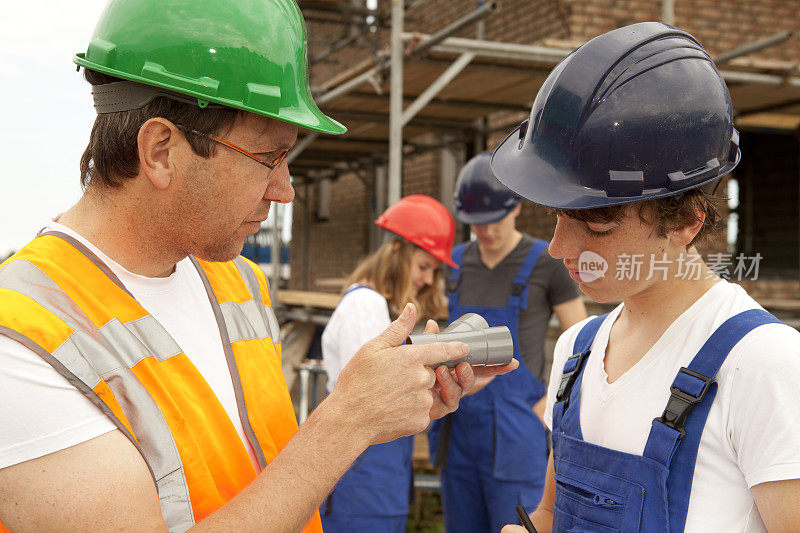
<point x="296" y="339"/>
<point x="323" y="300"/>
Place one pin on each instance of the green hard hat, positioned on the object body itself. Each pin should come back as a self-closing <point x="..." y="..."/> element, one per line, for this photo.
<point x="246" y="54"/>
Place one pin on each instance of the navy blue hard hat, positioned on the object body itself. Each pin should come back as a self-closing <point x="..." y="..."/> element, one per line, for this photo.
<point x="479" y="197"/>
<point x="637" y="113"/>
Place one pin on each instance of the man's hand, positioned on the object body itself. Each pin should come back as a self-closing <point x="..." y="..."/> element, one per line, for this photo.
<point x="480" y="384"/>
<point x="391" y="390"/>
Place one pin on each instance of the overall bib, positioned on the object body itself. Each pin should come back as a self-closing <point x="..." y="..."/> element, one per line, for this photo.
<point x="373" y="495"/>
<point x="603" y="490"/>
<point x="493" y="450"/>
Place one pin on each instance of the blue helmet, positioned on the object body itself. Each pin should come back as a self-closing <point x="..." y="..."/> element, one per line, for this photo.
<point x="637" y="113"/>
<point x="479" y="197"/>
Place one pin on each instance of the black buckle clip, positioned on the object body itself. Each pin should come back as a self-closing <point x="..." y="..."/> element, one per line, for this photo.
<point x="568" y="378"/>
<point x="680" y="403"/>
<point x="517" y="289"/>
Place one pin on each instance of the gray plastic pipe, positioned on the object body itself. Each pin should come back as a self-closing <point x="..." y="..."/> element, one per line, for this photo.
<point x="487" y="346"/>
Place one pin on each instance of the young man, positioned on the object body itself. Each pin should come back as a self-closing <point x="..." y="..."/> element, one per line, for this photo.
<point x="140" y="377"/>
<point x="494" y="451"/>
<point x="677" y="410"/>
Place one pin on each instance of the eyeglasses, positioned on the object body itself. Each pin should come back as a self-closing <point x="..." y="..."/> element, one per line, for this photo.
<point x="270" y="165"/>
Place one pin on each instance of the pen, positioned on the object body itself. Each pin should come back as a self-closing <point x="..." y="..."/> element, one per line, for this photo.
<point x="525" y="520"/>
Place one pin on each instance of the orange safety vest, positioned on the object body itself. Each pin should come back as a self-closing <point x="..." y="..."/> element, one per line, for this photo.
<point x="59" y="300"/>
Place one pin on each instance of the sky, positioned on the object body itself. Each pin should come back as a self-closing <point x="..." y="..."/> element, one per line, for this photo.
<point x="46" y="113"/>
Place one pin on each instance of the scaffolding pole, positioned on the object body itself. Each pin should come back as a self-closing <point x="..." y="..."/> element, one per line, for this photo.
<point x="276" y="250"/>
<point x="427" y="42"/>
<point x="441" y="82"/>
<point x="300" y="147"/>
<point x="350" y="85"/>
<point x="668" y="12"/>
<point x="455" y="26"/>
<point x="734" y="76"/>
<point x="496" y="50"/>
<point x="396" y="105"/>
<point x="755" y="46"/>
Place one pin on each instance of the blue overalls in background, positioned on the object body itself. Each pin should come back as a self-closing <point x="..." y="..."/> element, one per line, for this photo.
<point x="603" y="490"/>
<point x="493" y="450"/>
<point x="373" y="495"/>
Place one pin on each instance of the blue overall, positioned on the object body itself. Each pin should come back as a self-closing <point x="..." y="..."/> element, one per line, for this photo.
<point x="602" y="490"/>
<point x="373" y="495"/>
<point x="495" y="446"/>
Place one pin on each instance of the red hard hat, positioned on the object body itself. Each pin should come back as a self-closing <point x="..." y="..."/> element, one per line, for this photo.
<point x="421" y="220"/>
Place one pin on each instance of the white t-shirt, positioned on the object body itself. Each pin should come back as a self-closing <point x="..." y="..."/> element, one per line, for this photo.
<point x="361" y="315"/>
<point x="752" y="434"/>
<point x="41" y="413"/>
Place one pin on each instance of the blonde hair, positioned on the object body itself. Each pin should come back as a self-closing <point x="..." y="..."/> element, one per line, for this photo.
<point x="388" y="271"/>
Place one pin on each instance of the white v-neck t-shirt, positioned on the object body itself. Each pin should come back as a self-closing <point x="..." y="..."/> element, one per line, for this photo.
<point x="41" y="413"/>
<point x="752" y="434"/>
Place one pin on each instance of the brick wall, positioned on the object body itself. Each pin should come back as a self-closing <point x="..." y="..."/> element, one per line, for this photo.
<point x="517" y="21"/>
<point x="421" y="173"/>
<point x="721" y="25"/>
<point x="334" y="245"/>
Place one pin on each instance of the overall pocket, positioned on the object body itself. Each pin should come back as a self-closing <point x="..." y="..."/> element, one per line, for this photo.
<point x="564" y="522"/>
<point x="594" y="499"/>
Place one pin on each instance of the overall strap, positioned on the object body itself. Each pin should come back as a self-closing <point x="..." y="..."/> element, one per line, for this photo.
<point x="519" y="288"/>
<point x="693" y="391"/>
<point x="574" y="366"/>
<point x="454" y="280"/>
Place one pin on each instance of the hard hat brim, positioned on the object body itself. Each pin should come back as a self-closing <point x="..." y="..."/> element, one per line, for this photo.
<point x="536" y="180"/>
<point x="484" y="218"/>
<point x="305" y="115"/>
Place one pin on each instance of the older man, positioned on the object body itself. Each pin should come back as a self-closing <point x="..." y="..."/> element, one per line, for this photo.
<point x="140" y="377"/>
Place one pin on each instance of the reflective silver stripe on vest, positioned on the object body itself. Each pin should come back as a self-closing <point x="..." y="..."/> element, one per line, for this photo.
<point x="267" y="313"/>
<point x="243" y="321"/>
<point x="231" y="359"/>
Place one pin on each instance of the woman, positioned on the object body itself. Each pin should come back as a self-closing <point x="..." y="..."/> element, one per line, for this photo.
<point x="374" y="494"/>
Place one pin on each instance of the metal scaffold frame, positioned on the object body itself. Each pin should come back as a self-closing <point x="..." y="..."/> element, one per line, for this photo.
<point x="450" y="86"/>
<point x="441" y="58"/>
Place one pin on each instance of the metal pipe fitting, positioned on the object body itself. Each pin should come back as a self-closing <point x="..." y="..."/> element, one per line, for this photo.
<point x="488" y="346"/>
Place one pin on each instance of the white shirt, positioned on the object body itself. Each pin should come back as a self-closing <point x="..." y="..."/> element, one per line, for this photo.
<point x="752" y="434"/>
<point x="361" y="315"/>
<point x="41" y="413"/>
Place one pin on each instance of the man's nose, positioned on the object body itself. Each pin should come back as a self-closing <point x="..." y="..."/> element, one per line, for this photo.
<point x="279" y="188"/>
<point x="564" y="244"/>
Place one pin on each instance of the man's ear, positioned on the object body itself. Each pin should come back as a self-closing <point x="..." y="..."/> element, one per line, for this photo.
<point x="157" y="137"/>
<point x="684" y="236"/>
